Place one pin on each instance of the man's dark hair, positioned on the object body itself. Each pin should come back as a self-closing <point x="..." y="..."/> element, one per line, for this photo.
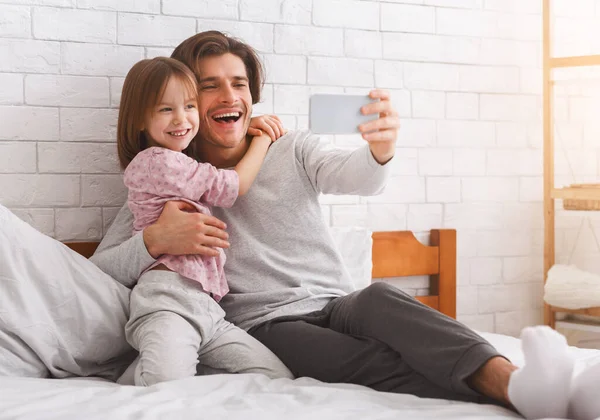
<point x="215" y="43"/>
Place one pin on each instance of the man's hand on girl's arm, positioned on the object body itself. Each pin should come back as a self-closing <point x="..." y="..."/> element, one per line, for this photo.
<point x="180" y="230"/>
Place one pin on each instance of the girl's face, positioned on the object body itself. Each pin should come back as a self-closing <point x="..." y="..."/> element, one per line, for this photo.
<point x="174" y="121"/>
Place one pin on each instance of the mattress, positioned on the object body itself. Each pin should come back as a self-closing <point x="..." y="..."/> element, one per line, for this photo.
<point x="247" y="396"/>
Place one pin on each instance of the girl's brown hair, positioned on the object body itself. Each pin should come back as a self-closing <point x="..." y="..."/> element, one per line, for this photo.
<point x="215" y="43"/>
<point x="144" y="86"/>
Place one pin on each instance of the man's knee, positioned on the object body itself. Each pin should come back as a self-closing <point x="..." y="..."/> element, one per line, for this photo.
<point x="380" y="288"/>
<point x="377" y="297"/>
<point x="373" y="295"/>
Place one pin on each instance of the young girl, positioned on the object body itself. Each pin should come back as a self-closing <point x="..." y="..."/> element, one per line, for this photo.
<point x="174" y="315"/>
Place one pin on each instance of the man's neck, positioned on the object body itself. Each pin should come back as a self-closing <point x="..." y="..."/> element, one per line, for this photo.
<point x="222" y="157"/>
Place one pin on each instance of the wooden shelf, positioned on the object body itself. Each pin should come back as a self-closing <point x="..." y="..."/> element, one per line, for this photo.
<point x="579" y="193"/>
<point x="575" y="61"/>
<point x="588" y="311"/>
<point x="576" y="197"/>
<point x="587" y="325"/>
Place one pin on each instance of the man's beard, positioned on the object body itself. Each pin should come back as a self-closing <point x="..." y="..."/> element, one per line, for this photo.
<point x="209" y="136"/>
<point x="206" y="137"/>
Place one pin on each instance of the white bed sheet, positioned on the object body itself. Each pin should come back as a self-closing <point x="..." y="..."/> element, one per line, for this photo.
<point x="235" y="397"/>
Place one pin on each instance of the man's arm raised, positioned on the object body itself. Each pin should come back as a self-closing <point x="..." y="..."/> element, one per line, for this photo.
<point x="333" y="170"/>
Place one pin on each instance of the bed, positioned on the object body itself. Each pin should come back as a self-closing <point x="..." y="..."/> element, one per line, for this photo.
<point x="249" y="396"/>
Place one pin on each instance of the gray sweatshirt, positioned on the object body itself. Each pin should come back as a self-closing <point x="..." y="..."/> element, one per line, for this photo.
<point x="282" y="259"/>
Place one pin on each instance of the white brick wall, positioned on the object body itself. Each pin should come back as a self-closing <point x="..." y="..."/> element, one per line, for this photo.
<point x="28" y="123"/>
<point x="407" y="18"/>
<point x="275" y="11"/>
<point x="15" y="21"/>
<point x="99" y="60"/>
<point x="29" y="56"/>
<point x="83" y="224"/>
<point x="17" y="157"/>
<point x="464" y="74"/>
<point x="57" y="90"/>
<point x="77" y="158"/>
<point x="12" y="89"/>
<point x="226" y="9"/>
<point x="309" y="40"/>
<point x="154" y="30"/>
<point x="347" y="14"/>
<point x="74" y="25"/>
<point x="137" y="6"/>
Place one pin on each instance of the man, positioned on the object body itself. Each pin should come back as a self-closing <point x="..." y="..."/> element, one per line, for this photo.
<point x="288" y="285"/>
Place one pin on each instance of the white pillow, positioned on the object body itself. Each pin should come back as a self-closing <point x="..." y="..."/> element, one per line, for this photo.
<point x="355" y="244"/>
<point x="60" y="315"/>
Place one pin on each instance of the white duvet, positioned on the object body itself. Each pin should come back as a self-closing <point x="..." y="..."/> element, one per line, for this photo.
<point x="245" y="397"/>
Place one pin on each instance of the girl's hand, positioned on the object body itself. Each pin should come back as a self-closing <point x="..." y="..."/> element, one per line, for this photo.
<point x="269" y="124"/>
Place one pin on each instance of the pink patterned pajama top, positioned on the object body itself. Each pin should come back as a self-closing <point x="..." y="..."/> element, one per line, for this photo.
<point x="157" y="175"/>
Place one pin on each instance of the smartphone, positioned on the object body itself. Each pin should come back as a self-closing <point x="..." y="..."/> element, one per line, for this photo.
<point x="338" y="113"/>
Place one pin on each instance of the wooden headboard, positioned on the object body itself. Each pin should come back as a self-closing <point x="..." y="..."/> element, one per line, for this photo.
<point x="398" y="254"/>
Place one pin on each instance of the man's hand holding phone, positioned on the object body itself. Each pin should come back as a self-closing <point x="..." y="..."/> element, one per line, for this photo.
<point x="373" y="116"/>
<point x="381" y="133"/>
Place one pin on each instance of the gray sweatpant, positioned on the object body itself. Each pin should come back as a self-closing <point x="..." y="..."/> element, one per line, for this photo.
<point x="176" y="326"/>
<point x="384" y="339"/>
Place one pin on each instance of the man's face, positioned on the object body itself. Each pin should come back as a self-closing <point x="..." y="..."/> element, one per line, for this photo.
<point x="224" y="101"/>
